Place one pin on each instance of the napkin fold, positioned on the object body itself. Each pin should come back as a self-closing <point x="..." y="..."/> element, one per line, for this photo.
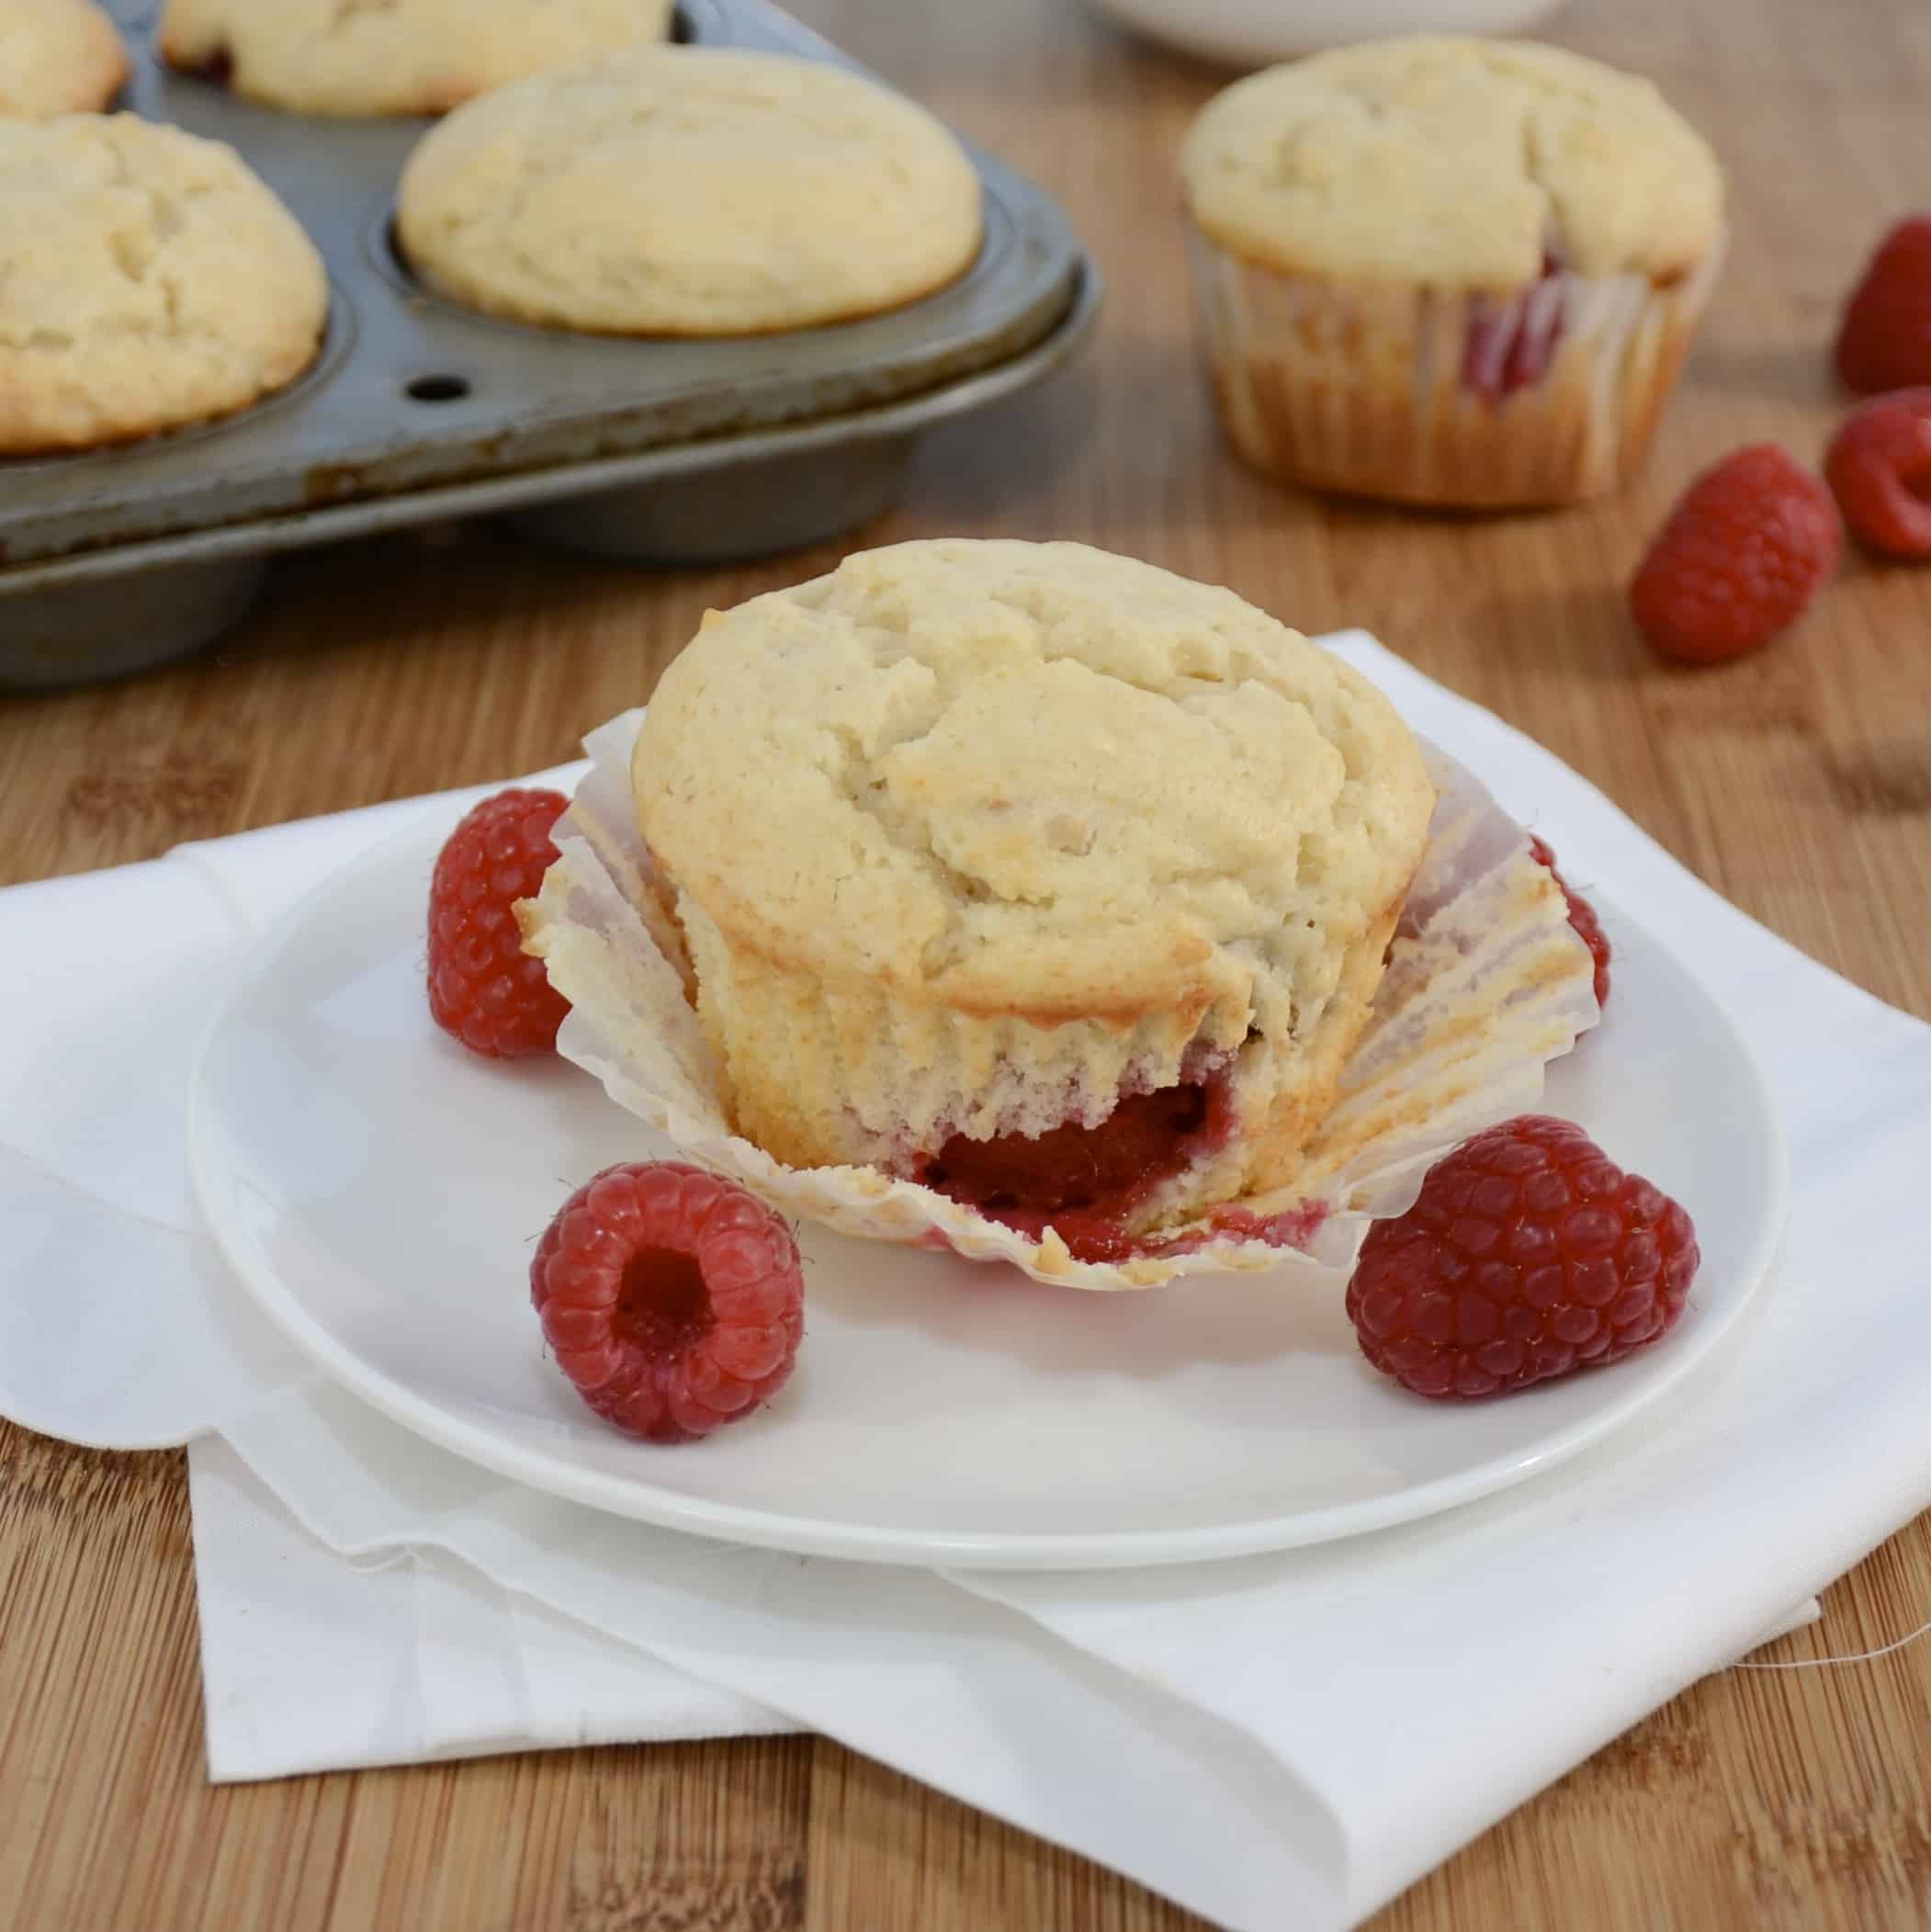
<point x="1287" y="1739"/>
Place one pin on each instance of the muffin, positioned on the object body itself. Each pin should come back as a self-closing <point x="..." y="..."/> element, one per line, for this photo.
<point x="1449" y="271"/>
<point x="148" y="279"/>
<point x="1042" y="876"/>
<point x="402" y="57"/>
<point x="681" y="191"/>
<point x="58" y="57"/>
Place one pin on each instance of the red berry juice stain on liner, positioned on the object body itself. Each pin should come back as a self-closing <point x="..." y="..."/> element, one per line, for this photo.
<point x="1582" y="918"/>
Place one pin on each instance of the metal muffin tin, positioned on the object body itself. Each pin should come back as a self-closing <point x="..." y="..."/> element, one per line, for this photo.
<point x="416" y="409"/>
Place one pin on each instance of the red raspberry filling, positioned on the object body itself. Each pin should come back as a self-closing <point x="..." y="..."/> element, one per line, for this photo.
<point x="1085" y="1182"/>
<point x="1510" y="342"/>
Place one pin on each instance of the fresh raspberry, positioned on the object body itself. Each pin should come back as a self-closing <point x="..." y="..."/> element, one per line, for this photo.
<point x="1884" y="342"/>
<point x="674" y="1300"/>
<point x="483" y="986"/>
<point x="1879" y="465"/>
<point x="1751" y="542"/>
<point x="1581" y="916"/>
<point x="1528" y="1255"/>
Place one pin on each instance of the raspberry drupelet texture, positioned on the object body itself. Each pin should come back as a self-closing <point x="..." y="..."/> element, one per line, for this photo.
<point x="1753" y="539"/>
<point x="1884" y="341"/>
<point x="483" y="987"/>
<point x="674" y="1300"/>
<point x="1582" y="916"/>
<point x="1878" y="468"/>
<point x="1528" y="1255"/>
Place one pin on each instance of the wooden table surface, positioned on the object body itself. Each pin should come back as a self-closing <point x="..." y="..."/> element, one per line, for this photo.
<point x="1796" y="781"/>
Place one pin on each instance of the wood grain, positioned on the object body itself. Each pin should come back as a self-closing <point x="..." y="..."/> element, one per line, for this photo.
<point x="1798" y="783"/>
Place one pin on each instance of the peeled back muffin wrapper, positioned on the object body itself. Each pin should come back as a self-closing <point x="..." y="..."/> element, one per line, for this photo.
<point x="1486" y="983"/>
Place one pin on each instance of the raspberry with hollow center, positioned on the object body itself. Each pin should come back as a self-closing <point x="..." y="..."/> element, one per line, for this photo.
<point x="1753" y="539"/>
<point x="1582" y="916"/>
<point x="674" y="1300"/>
<point x="1878" y="468"/>
<point x="1528" y="1255"/>
<point x="1884" y="341"/>
<point x="483" y="987"/>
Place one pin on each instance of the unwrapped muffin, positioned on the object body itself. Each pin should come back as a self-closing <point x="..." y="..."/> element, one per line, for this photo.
<point x="1050" y="880"/>
<point x="688" y="191"/>
<point x="1449" y="271"/>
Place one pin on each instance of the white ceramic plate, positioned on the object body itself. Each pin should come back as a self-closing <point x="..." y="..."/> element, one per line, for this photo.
<point x="379" y="1191"/>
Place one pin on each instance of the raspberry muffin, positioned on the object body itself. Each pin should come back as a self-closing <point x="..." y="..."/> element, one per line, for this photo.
<point x="148" y="279"/>
<point x="1041" y="875"/>
<point x="689" y="191"/>
<point x="400" y="57"/>
<point x="58" y="57"/>
<point x="1449" y="271"/>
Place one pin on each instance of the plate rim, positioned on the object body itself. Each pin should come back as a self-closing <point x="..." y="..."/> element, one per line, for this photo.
<point x="640" y="1500"/>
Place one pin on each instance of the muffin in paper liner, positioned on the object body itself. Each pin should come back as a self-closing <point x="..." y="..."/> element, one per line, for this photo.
<point x="1449" y="270"/>
<point x="1440" y="396"/>
<point x="1486" y="983"/>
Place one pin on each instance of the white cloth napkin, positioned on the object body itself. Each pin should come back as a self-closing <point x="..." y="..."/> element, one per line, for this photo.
<point x="1281" y="1740"/>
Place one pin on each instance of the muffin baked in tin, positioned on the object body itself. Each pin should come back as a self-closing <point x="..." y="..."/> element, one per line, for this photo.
<point x="148" y="279"/>
<point x="404" y="57"/>
<point x="58" y="57"/>
<point x="683" y="191"/>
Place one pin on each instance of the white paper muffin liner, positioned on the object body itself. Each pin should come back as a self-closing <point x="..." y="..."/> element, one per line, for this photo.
<point x="1377" y="390"/>
<point x="1486" y="983"/>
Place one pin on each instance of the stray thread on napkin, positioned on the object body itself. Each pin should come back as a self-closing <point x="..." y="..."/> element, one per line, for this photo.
<point x="1860" y="1656"/>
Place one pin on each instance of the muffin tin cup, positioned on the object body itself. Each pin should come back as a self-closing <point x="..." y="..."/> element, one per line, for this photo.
<point x="1441" y="397"/>
<point x="417" y="408"/>
<point x="91" y="629"/>
<point x="1486" y="983"/>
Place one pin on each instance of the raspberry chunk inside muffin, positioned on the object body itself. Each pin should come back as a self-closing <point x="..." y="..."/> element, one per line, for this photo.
<point x="1512" y="343"/>
<point x="1086" y="1181"/>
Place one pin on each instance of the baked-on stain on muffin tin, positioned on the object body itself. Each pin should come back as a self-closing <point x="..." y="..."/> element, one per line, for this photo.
<point x="417" y="408"/>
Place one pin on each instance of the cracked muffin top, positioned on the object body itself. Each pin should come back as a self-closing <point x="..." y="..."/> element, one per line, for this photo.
<point x="689" y="191"/>
<point x="58" y="57"/>
<point x="1032" y="779"/>
<point x="147" y="279"/>
<point x="372" y="57"/>
<point x="1455" y="161"/>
